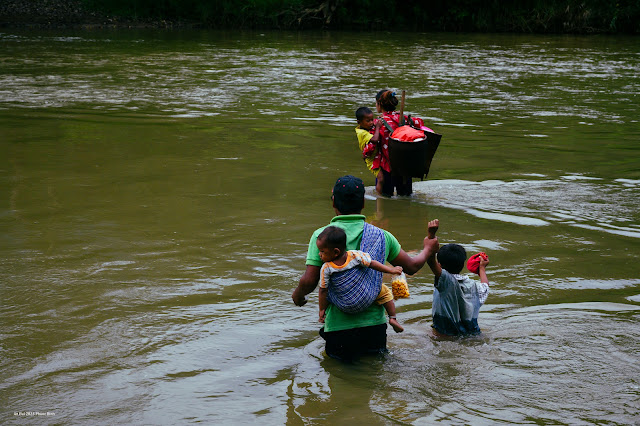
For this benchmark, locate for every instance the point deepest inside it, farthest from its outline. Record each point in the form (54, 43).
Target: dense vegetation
(543, 16)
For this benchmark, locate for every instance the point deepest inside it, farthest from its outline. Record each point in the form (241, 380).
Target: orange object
(399, 286)
(407, 134)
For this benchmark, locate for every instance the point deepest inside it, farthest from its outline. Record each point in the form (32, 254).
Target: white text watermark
(33, 413)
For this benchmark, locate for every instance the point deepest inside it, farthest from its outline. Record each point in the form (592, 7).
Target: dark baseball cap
(348, 194)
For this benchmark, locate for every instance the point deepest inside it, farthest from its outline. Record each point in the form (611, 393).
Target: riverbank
(484, 16)
(60, 14)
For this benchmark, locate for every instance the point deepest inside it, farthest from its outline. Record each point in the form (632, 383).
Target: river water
(158, 191)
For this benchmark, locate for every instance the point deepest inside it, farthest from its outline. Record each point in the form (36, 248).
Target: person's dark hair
(348, 195)
(387, 100)
(362, 112)
(452, 258)
(333, 237)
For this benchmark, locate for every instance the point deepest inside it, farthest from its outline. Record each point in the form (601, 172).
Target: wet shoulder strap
(387, 125)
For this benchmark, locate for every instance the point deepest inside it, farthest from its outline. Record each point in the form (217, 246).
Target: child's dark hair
(452, 257)
(362, 112)
(387, 100)
(334, 237)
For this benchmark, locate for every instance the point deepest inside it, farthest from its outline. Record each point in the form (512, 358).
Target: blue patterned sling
(355, 289)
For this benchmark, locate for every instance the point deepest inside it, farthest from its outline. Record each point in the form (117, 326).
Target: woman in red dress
(386, 103)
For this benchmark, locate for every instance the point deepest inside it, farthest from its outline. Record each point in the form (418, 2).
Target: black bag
(412, 159)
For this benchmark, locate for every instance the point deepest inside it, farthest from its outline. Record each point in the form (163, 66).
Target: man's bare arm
(412, 264)
(307, 284)
(323, 303)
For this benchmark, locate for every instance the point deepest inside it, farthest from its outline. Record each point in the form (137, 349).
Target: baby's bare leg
(390, 307)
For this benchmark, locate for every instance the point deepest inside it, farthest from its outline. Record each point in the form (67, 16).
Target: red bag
(473, 264)
(407, 134)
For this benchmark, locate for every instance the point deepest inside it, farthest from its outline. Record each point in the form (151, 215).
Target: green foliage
(543, 16)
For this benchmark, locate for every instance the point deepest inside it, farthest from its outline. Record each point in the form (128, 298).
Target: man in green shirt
(349, 335)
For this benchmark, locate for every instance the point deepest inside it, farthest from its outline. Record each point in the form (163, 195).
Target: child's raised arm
(434, 246)
(396, 270)
(481, 270)
(483, 288)
(432, 228)
(371, 146)
(376, 132)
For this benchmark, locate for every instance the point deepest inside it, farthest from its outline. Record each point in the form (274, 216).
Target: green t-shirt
(335, 319)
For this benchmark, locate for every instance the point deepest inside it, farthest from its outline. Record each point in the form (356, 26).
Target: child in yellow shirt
(368, 133)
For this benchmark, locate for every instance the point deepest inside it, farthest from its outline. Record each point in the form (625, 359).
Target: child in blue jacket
(456, 298)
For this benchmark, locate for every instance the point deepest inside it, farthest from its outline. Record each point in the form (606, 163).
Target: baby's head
(452, 258)
(332, 243)
(365, 118)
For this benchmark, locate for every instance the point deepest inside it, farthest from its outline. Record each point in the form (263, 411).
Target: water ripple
(574, 200)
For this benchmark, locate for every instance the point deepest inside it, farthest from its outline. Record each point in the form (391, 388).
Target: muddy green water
(158, 191)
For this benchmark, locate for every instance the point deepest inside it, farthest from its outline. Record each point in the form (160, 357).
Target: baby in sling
(352, 279)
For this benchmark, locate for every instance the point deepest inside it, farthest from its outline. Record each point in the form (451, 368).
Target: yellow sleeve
(363, 138)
